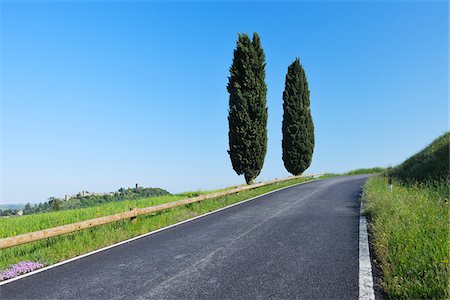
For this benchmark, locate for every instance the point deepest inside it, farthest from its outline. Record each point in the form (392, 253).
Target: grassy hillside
(409, 224)
(429, 165)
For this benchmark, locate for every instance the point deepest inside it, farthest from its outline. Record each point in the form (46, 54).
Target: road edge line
(366, 291)
(147, 234)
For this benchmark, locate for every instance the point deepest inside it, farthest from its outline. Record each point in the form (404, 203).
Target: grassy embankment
(410, 224)
(365, 171)
(53, 250)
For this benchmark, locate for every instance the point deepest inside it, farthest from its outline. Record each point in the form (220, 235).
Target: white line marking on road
(366, 291)
(147, 234)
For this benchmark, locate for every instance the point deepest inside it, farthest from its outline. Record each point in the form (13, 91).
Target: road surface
(300, 242)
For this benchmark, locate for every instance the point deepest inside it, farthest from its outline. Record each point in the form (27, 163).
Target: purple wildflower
(19, 268)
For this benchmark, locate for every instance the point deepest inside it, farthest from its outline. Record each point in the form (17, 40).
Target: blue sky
(101, 95)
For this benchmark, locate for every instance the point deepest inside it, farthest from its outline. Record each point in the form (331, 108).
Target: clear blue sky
(101, 95)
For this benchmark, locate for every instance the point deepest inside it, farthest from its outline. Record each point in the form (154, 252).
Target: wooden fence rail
(133, 213)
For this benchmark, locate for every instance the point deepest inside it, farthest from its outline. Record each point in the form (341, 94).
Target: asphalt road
(300, 242)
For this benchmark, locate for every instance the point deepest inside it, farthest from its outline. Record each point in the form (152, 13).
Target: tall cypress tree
(298, 127)
(247, 115)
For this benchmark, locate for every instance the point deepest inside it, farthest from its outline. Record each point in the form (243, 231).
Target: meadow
(56, 249)
(409, 224)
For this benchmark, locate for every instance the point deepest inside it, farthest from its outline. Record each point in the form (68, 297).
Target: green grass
(10, 226)
(411, 238)
(409, 224)
(430, 164)
(365, 171)
(53, 250)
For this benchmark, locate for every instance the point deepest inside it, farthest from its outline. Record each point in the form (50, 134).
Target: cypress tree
(247, 115)
(298, 127)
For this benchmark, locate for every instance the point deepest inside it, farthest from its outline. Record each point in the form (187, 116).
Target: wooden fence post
(133, 219)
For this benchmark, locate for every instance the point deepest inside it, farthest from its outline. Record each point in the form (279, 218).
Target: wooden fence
(132, 214)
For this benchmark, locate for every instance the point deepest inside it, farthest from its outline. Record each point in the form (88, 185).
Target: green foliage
(410, 232)
(55, 204)
(366, 171)
(430, 164)
(247, 116)
(55, 249)
(298, 127)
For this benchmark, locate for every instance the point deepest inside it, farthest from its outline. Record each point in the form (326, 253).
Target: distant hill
(429, 165)
(80, 201)
(12, 206)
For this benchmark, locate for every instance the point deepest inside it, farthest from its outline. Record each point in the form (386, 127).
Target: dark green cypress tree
(247, 115)
(298, 127)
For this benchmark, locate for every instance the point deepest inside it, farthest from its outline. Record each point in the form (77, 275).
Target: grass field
(365, 171)
(409, 225)
(56, 249)
(410, 230)
(11, 226)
